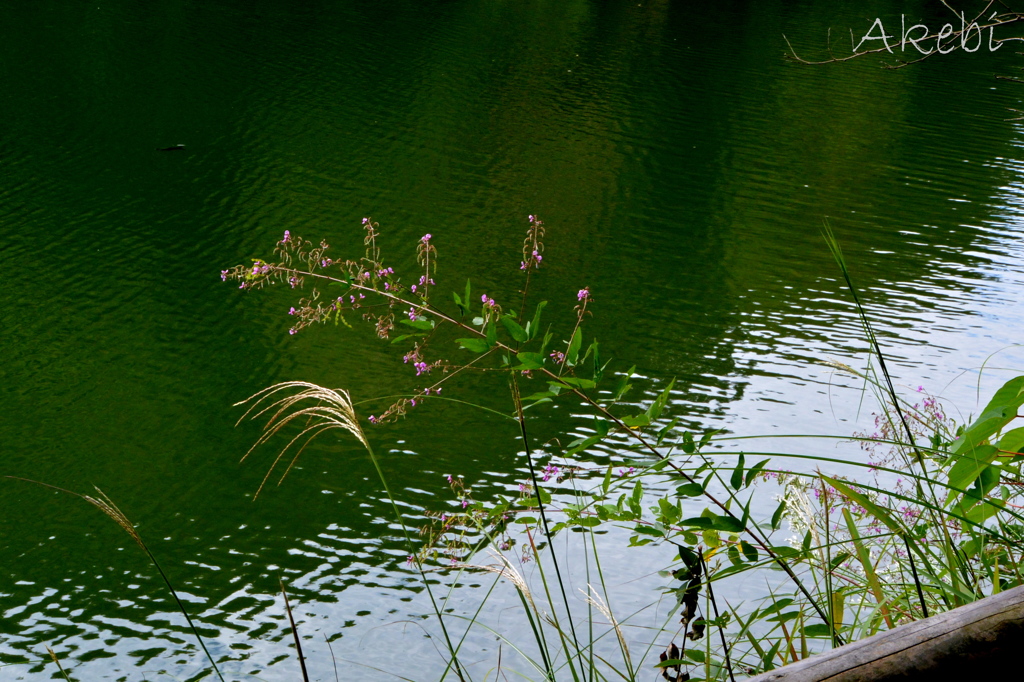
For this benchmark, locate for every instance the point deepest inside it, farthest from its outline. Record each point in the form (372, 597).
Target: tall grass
(870, 553)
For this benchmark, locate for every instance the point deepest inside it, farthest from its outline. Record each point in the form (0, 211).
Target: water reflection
(683, 169)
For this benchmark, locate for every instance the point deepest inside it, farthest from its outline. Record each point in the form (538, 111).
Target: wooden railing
(982, 639)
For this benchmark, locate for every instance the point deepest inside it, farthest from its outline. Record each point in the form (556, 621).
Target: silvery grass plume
(107, 506)
(506, 570)
(321, 408)
(594, 599)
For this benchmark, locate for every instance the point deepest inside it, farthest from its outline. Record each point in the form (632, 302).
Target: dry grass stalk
(594, 599)
(330, 409)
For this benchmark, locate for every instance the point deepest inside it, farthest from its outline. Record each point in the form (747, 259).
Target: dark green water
(683, 168)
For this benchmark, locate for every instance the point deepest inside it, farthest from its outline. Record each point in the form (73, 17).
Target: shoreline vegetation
(935, 521)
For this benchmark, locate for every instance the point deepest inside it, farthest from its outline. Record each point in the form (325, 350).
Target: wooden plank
(980, 638)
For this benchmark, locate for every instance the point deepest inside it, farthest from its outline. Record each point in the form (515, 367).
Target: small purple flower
(450, 479)
(223, 275)
(530, 217)
(372, 419)
(421, 368)
(287, 237)
(292, 331)
(410, 561)
(549, 471)
(365, 220)
(557, 356)
(411, 313)
(465, 503)
(583, 294)
(292, 311)
(626, 472)
(426, 238)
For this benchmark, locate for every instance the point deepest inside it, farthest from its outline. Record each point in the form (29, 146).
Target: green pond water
(683, 168)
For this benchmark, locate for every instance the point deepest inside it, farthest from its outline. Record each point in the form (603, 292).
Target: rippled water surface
(683, 167)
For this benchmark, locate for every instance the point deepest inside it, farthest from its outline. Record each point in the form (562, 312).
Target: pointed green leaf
(573, 351)
(514, 330)
(864, 501)
(654, 411)
(997, 414)
(419, 324)
(535, 324)
(736, 481)
(530, 360)
(968, 467)
(473, 345)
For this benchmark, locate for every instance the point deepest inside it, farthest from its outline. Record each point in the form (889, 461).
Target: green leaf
(968, 467)
(581, 384)
(777, 606)
(466, 299)
(749, 551)
(1012, 441)
(696, 522)
(664, 431)
(403, 337)
(997, 414)
(514, 330)
(530, 360)
(588, 521)
(690, 558)
(636, 421)
(727, 524)
(492, 335)
(694, 489)
(573, 351)
(419, 324)
(736, 481)
(535, 324)
(580, 445)
(602, 426)
(777, 516)
(544, 344)
(598, 368)
(670, 663)
(654, 411)
(688, 445)
(473, 345)
(864, 501)
(623, 386)
(463, 306)
(817, 630)
(755, 470)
